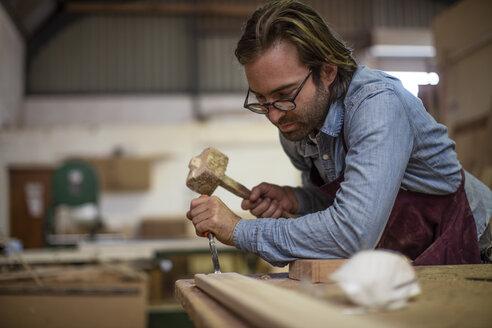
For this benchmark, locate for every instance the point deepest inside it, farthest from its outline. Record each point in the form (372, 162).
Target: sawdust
(451, 296)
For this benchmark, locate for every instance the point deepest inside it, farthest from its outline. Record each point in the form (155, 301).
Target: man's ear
(328, 74)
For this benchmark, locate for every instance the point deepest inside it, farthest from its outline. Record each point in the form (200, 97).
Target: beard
(309, 118)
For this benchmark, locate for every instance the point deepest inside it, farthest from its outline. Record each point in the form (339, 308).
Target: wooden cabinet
(30, 196)
(123, 173)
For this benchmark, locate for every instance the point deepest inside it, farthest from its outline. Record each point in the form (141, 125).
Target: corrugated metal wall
(114, 54)
(405, 13)
(219, 69)
(158, 53)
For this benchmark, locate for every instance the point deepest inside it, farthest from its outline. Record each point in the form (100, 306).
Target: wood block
(314, 270)
(265, 305)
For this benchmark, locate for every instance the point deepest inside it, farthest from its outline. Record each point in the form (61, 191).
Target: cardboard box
(463, 50)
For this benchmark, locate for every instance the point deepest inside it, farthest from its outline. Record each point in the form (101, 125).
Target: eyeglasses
(282, 104)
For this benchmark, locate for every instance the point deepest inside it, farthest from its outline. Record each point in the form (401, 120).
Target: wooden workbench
(452, 296)
(116, 250)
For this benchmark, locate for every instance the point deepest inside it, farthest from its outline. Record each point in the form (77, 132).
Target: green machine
(75, 185)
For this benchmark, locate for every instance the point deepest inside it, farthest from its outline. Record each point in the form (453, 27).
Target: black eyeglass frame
(275, 103)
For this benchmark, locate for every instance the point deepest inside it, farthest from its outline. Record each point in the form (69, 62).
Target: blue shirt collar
(332, 126)
(334, 119)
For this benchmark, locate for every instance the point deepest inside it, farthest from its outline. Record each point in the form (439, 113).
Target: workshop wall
(252, 147)
(52, 110)
(11, 71)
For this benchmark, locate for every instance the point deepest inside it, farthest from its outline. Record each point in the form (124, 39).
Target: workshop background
(137, 88)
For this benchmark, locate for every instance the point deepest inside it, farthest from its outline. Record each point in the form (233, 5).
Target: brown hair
(301, 25)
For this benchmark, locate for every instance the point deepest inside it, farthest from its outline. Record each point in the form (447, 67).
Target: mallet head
(206, 171)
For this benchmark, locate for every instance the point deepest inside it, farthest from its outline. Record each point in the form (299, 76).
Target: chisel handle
(208, 234)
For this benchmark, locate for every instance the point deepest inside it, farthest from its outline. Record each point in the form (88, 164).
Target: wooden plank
(265, 305)
(204, 311)
(314, 270)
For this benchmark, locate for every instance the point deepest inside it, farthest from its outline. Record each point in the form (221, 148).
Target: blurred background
(113, 98)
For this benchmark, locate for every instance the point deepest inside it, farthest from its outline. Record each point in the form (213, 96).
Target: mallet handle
(235, 187)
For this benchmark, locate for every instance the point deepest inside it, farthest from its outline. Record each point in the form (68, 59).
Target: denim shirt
(392, 143)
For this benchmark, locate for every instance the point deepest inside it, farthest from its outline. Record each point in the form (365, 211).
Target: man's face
(277, 74)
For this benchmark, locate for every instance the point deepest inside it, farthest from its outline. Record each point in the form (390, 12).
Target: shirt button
(325, 157)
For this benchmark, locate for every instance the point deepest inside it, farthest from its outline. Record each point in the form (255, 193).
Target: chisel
(213, 249)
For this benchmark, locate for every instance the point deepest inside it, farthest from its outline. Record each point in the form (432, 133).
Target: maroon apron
(429, 229)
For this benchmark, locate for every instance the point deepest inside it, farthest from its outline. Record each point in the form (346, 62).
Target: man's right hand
(210, 214)
(269, 201)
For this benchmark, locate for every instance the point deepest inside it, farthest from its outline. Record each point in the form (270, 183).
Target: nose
(275, 114)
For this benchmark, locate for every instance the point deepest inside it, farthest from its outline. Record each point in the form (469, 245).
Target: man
(377, 170)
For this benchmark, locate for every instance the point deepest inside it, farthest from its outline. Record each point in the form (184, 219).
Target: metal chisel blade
(213, 250)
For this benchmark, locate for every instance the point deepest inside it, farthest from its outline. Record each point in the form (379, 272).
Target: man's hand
(210, 214)
(269, 201)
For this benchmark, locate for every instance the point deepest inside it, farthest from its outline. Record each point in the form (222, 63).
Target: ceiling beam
(15, 19)
(163, 9)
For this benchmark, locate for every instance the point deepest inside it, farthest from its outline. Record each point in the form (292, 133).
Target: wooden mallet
(207, 172)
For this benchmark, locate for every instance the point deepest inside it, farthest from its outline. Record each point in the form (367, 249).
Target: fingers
(210, 214)
(270, 210)
(200, 211)
(257, 198)
(278, 212)
(265, 201)
(201, 228)
(274, 211)
(267, 208)
(262, 208)
(262, 190)
(204, 213)
(256, 193)
(247, 204)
